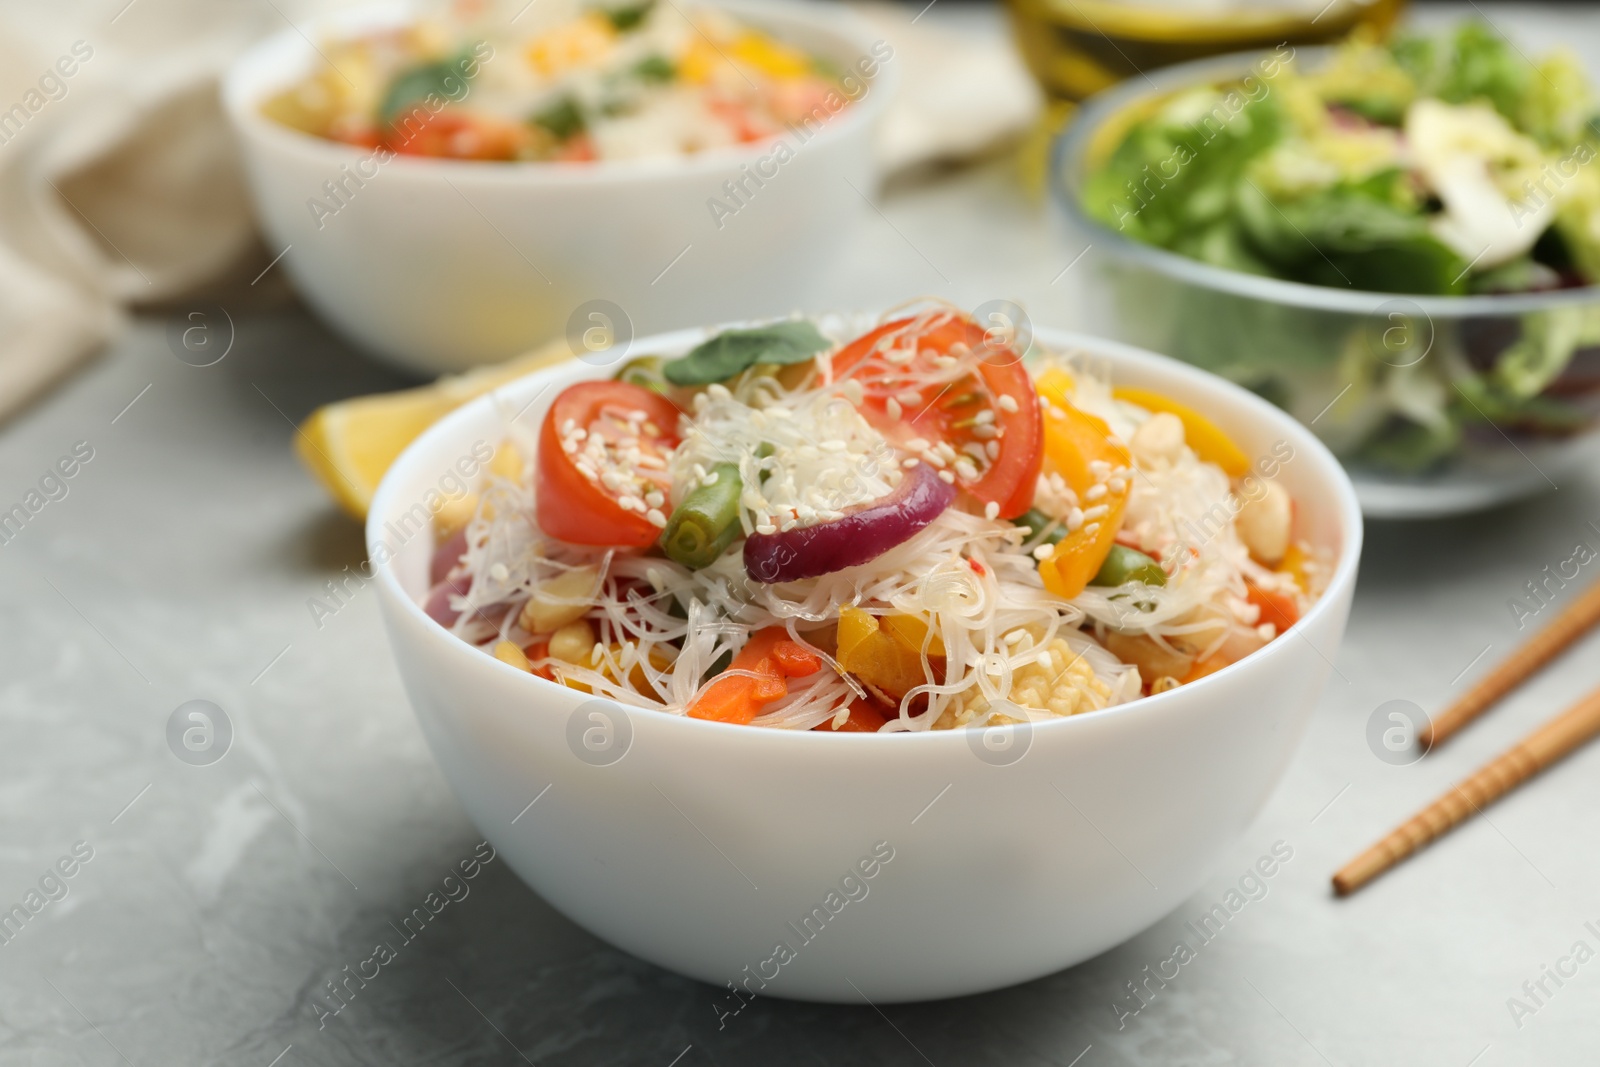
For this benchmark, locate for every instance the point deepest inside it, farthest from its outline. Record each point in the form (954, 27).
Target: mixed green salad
(1442, 166)
(1428, 165)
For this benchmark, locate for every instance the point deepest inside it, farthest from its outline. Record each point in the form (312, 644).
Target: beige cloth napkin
(120, 187)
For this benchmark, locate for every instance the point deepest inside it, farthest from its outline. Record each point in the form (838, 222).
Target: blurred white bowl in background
(439, 265)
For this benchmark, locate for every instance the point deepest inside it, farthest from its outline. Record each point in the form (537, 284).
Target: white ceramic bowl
(701, 844)
(439, 265)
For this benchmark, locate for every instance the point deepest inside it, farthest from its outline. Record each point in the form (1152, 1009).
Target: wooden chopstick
(1565, 628)
(1546, 745)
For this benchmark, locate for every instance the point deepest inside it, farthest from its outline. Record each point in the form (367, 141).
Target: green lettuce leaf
(1174, 173)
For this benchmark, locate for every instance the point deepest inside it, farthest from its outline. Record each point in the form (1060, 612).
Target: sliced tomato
(899, 400)
(602, 451)
(454, 134)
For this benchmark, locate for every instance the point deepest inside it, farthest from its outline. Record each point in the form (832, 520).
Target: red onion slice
(864, 533)
(447, 556)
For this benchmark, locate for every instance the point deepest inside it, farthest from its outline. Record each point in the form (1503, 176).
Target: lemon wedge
(349, 444)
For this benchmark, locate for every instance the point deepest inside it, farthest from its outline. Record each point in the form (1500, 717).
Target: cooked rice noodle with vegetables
(907, 529)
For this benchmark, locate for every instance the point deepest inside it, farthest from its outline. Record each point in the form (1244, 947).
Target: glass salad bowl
(1409, 391)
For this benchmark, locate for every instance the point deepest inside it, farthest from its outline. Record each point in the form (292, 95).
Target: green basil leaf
(562, 119)
(734, 351)
(628, 17)
(655, 68)
(445, 79)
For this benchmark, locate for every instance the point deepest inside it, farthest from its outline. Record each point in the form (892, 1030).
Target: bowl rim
(258, 70)
(1340, 586)
(1068, 159)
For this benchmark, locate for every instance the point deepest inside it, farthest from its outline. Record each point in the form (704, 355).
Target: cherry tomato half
(455, 134)
(902, 405)
(602, 453)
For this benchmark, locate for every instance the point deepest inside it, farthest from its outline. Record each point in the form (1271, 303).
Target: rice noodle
(660, 627)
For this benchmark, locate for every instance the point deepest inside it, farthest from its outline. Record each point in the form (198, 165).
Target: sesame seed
(948, 477)
(992, 449)
(983, 416)
(1099, 511)
(1092, 528)
(991, 511)
(499, 572)
(1042, 552)
(655, 517)
(1094, 492)
(766, 528)
(1055, 412)
(654, 498)
(1006, 402)
(909, 463)
(892, 406)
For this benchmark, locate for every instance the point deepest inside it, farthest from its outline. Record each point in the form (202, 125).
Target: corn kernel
(573, 642)
(506, 652)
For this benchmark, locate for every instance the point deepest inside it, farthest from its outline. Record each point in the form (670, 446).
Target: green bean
(1033, 520)
(707, 521)
(645, 371)
(1125, 565)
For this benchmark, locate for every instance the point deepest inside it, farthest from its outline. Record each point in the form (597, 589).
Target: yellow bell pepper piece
(1203, 435)
(1078, 557)
(580, 43)
(699, 61)
(1074, 439)
(875, 656)
(637, 680)
(911, 631)
(1296, 564)
(769, 56)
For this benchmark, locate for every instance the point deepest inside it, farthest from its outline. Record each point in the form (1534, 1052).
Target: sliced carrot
(796, 660)
(537, 651)
(774, 658)
(1209, 665)
(1280, 609)
(864, 719)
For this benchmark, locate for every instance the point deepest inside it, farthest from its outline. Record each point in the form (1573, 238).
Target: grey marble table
(216, 902)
